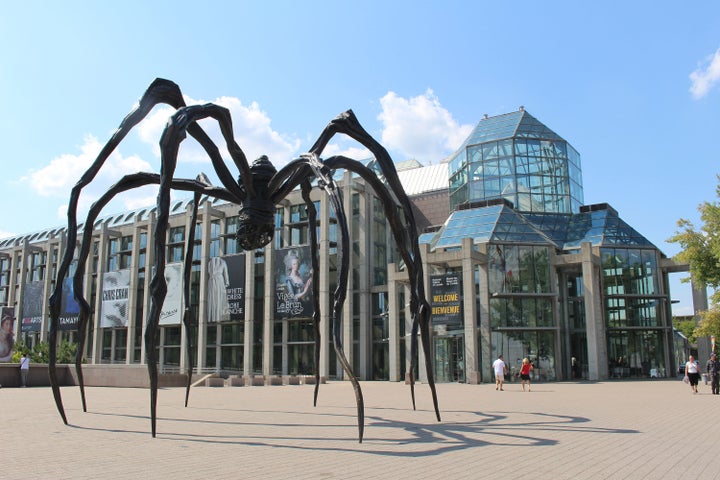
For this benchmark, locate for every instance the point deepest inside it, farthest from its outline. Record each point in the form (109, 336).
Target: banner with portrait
(7, 333)
(31, 313)
(115, 299)
(171, 313)
(293, 283)
(446, 299)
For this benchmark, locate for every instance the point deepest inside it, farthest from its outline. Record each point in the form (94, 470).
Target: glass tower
(517, 158)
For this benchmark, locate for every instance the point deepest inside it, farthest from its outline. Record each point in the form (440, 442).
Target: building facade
(514, 262)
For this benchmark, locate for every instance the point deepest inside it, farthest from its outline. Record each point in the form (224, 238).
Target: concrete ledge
(258, 381)
(290, 380)
(274, 380)
(310, 379)
(236, 381)
(215, 382)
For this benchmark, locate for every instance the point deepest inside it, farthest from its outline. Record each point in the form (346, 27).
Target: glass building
(515, 264)
(515, 157)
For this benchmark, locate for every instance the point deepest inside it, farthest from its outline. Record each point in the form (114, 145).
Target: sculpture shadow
(385, 436)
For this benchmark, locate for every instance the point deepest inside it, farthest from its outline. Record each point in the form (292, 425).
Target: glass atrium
(515, 157)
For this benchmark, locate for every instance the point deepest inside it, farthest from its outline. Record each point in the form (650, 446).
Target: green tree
(709, 323)
(701, 247)
(41, 352)
(701, 251)
(687, 328)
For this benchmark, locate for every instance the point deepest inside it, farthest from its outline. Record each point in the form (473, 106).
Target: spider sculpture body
(258, 189)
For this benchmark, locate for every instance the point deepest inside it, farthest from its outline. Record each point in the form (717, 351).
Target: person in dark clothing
(712, 368)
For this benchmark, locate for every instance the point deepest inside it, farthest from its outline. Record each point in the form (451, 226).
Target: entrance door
(449, 359)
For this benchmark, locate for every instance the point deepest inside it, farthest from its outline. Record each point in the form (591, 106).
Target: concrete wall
(94, 376)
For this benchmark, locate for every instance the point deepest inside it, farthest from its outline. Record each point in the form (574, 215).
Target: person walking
(24, 369)
(712, 368)
(500, 370)
(692, 372)
(525, 369)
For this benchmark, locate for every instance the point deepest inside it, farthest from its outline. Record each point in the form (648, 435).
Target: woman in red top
(525, 373)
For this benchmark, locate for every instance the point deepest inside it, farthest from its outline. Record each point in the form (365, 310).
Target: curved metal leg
(188, 317)
(312, 224)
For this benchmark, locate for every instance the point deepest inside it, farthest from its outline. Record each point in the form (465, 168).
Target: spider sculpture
(258, 189)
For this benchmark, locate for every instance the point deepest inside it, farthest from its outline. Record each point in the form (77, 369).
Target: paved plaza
(616, 430)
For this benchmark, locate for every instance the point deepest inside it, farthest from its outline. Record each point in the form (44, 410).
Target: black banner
(446, 299)
(226, 288)
(31, 314)
(69, 307)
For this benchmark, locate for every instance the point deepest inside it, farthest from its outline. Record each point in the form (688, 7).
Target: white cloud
(337, 147)
(4, 234)
(706, 76)
(419, 127)
(251, 128)
(57, 179)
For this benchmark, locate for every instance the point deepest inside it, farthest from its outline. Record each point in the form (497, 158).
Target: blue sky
(633, 86)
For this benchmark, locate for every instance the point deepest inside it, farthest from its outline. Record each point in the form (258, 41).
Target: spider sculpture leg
(126, 183)
(188, 318)
(404, 230)
(418, 305)
(159, 92)
(406, 236)
(170, 140)
(312, 222)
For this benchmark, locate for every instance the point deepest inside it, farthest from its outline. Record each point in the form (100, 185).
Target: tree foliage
(701, 246)
(687, 328)
(709, 323)
(701, 251)
(41, 352)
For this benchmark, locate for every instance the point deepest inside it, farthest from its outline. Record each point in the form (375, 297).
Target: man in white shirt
(500, 370)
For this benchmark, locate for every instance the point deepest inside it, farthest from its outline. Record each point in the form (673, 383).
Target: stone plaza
(653, 429)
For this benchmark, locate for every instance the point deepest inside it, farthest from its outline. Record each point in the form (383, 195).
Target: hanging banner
(171, 313)
(235, 291)
(293, 283)
(69, 307)
(7, 333)
(31, 313)
(115, 299)
(226, 288)
(446, 296)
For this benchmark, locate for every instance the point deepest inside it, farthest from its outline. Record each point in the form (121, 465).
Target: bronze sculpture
(259, 188)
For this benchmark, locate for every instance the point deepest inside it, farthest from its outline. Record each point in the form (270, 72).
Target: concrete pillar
(132, 298)
(202, 320)
(47, 286)
(470, 312)
(365, 234)
(321, 280)
(149, 262)
(20, 269)
(395, 368)
(699, 298)
(269, 309)
(406, 316)
(597, 358)
(248, 345)
(485, 338)
(422, 369)
(101, 269)
(13, 298)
